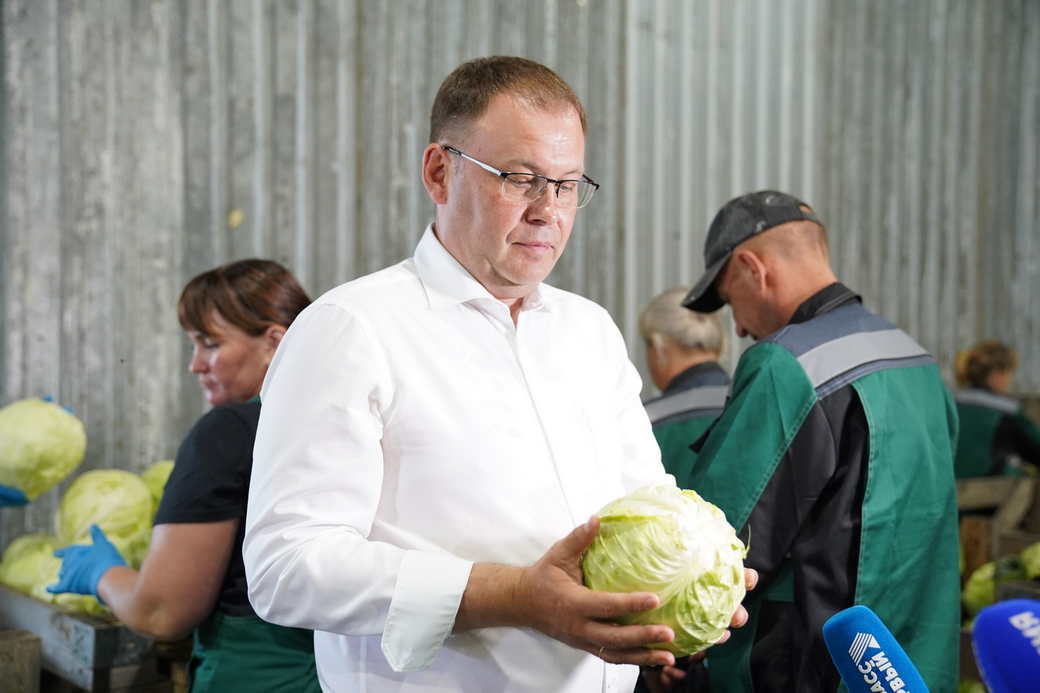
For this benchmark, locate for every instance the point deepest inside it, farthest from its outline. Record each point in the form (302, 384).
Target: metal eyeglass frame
(504, 175)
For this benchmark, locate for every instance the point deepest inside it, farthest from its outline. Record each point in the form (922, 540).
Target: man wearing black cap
(834, 453)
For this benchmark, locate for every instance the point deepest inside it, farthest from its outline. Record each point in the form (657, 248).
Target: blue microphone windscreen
(1006, 638)
(867, 655)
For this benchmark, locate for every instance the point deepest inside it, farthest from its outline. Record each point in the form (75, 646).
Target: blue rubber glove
(9, 495)
(50, 398)
(83, 566)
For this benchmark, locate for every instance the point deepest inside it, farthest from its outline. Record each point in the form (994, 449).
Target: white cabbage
(40, 445)
(29, 565)
(675, 544)
(118, 501)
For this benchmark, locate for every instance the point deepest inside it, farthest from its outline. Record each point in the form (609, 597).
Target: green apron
(906, 492)
(244, 653)
(674, 440)
(679, 419)
(981, 413)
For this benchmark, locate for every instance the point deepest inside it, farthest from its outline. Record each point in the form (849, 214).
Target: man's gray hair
(664, 316)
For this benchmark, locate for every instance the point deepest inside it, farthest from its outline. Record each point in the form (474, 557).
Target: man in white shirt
(430, 431)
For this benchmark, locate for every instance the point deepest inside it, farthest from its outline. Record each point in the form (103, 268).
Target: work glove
(9, 495)
(83, 566)
(50, 398)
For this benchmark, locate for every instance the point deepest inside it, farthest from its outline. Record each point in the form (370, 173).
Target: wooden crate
(20, 661)
(91, 653)
(969, 669)
(995, 509)
(1018, 589)
(1014, 540)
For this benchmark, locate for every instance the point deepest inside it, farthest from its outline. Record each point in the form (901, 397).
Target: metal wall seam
(218, 135)
(1026, 220)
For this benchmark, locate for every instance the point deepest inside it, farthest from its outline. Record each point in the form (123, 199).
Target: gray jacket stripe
(990, 400)
(687, 400)
(837, 362)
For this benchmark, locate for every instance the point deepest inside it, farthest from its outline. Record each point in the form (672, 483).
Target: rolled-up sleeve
(316, 482)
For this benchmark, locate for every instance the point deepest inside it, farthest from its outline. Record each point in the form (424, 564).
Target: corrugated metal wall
(146, 141)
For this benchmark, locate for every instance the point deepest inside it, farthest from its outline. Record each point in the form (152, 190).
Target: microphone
(867, 655)
(1006, 640)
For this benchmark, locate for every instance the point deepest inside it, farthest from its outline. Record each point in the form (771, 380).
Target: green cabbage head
(675, 544)
(40, 445)
(22, 562)
(980, 591)
(1031, 560)
(118, 502)
(155, 478)
(29, 565)
(981, 588)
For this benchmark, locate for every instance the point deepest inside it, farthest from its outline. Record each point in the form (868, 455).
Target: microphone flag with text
(867, 655)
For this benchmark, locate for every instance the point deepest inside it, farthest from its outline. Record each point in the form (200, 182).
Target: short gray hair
(664, 316)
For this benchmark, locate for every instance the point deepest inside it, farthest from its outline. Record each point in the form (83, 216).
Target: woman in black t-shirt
(193, 578)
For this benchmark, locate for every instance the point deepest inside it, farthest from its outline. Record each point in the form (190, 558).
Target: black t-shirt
(210, 483)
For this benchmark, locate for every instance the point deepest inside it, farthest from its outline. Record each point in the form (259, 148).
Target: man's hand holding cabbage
(623, 625)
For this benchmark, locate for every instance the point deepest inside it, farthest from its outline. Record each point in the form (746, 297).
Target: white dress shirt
(408, 430)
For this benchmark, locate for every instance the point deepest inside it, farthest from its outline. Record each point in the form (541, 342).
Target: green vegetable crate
(1019, 589)
(89, 652)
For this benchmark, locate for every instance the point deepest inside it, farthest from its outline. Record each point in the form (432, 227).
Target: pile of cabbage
(675, 544)
(40, 445)
(123, 504)
(980, 590)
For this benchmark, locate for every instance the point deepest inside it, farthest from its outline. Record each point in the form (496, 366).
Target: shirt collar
(706, 374)
(448, 283)
(823, 301)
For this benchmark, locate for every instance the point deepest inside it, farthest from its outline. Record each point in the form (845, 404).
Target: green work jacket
(903, 554)
(995, 436)
(684, 411)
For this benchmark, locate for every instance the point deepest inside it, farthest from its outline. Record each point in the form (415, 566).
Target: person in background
(995, 436)
(682, 354)
(834, 453)
(193, 577)
(432, 430)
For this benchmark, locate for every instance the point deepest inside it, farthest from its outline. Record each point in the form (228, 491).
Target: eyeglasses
(527, 187)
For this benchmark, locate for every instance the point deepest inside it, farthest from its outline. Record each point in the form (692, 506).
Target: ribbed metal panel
(148, 141)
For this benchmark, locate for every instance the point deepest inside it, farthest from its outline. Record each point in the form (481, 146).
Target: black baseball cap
(738, 220)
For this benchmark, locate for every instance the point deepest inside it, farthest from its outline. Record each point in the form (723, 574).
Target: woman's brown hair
(973, 366)
(252, 295)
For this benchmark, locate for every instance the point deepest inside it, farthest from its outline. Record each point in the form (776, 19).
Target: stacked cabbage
(40, 444)
(675, 544)
(117, 501)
